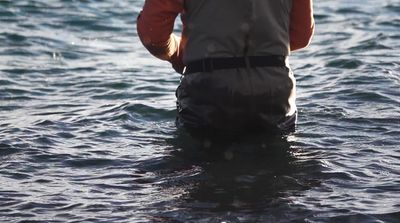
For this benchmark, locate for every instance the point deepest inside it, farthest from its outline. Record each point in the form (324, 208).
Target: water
(87, 128)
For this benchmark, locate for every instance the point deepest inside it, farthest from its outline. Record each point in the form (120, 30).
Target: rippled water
(87, 128)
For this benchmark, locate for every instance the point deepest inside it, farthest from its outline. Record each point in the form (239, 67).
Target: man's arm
(155, 25)
(301, 24)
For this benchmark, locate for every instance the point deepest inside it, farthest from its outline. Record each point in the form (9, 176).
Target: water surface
(87, 128)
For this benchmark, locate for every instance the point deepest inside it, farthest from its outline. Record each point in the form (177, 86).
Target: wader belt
(210, 64)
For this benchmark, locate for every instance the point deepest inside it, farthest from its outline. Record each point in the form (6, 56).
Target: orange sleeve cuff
(301, 24)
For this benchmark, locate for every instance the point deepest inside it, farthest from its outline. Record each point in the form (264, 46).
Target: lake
(87, 130)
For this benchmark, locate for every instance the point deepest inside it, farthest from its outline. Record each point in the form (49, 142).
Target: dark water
(87, 128)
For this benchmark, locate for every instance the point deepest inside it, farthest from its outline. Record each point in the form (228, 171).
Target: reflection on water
(253, 178)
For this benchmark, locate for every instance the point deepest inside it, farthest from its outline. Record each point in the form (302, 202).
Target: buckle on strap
(207, 64)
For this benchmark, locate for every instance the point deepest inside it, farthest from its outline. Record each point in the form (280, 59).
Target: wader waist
(210, 64)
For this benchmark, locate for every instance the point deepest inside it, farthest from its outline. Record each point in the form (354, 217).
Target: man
(233, 57)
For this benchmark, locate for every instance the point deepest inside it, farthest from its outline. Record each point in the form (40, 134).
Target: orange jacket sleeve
(155, 25)
(301, 24)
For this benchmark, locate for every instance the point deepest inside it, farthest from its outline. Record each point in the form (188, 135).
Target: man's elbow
(301, 39)
(153, 41)
(300, 43)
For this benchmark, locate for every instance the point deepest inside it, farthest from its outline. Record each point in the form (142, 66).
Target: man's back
(236, 28)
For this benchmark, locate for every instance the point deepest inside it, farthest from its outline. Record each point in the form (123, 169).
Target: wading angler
(233, 55)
